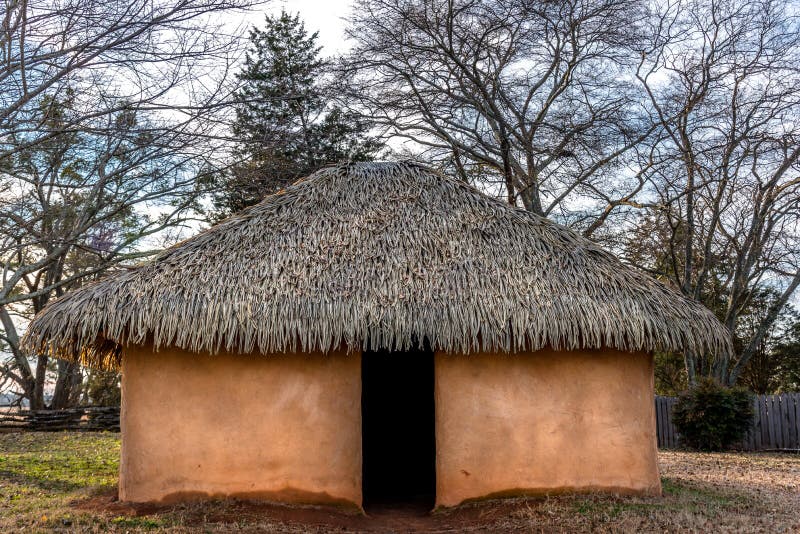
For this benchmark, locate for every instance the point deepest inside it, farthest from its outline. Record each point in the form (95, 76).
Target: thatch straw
(376, 255)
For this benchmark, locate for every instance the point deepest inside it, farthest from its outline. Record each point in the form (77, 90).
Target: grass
(41, 473)
(54, 482)
(703, 492)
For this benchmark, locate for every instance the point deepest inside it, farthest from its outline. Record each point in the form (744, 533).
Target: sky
(324, 16)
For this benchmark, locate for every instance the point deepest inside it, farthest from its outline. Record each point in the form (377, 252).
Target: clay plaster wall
(544, 422)
(277, 427)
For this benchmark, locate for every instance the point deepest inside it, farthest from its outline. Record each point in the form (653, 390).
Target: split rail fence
(776, 424)
(90, 418)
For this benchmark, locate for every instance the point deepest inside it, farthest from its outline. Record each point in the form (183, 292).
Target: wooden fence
(90, 418)
(665, 429)
(776, 424)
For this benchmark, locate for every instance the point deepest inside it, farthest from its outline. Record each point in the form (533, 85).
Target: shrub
(711, 417)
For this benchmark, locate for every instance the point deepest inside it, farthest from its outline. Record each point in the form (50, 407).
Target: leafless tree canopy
(539, 96)
(107, 112)
(724, 175)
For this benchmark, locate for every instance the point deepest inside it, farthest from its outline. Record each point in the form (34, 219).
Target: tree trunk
(37, 400)
(69, 380)
(689, 362)
(508, 175)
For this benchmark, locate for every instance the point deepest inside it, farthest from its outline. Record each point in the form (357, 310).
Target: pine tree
(286, 123)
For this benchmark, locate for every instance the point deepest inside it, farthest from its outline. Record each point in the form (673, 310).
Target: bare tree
(537, 97)
(724, 176)
(112, 55)
(107, 114)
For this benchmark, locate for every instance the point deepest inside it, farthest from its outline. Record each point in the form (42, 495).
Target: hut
(379, 331)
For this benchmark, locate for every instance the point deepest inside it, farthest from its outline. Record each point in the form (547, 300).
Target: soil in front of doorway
(251, 516)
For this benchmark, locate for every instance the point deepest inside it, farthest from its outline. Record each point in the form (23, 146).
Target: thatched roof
(376, 255)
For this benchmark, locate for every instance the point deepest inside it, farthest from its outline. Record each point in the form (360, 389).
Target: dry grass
(703, 492)
(375, 255)
(64, 482)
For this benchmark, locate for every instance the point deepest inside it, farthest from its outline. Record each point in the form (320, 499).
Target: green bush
(711, 417)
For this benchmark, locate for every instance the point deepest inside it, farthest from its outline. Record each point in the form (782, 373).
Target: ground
(66, 482)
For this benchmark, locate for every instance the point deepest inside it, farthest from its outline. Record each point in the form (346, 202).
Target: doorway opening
(398, 428)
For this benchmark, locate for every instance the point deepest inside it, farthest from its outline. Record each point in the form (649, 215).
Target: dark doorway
(398, 428)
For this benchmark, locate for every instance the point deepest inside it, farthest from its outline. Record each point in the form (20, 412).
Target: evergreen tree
(286, 123)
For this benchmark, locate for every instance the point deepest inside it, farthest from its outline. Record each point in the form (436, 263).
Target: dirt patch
(728, 492)
(107, 502)
(247, 515)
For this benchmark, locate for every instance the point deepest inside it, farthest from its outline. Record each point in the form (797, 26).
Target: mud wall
(277, 427)
(544, 422)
